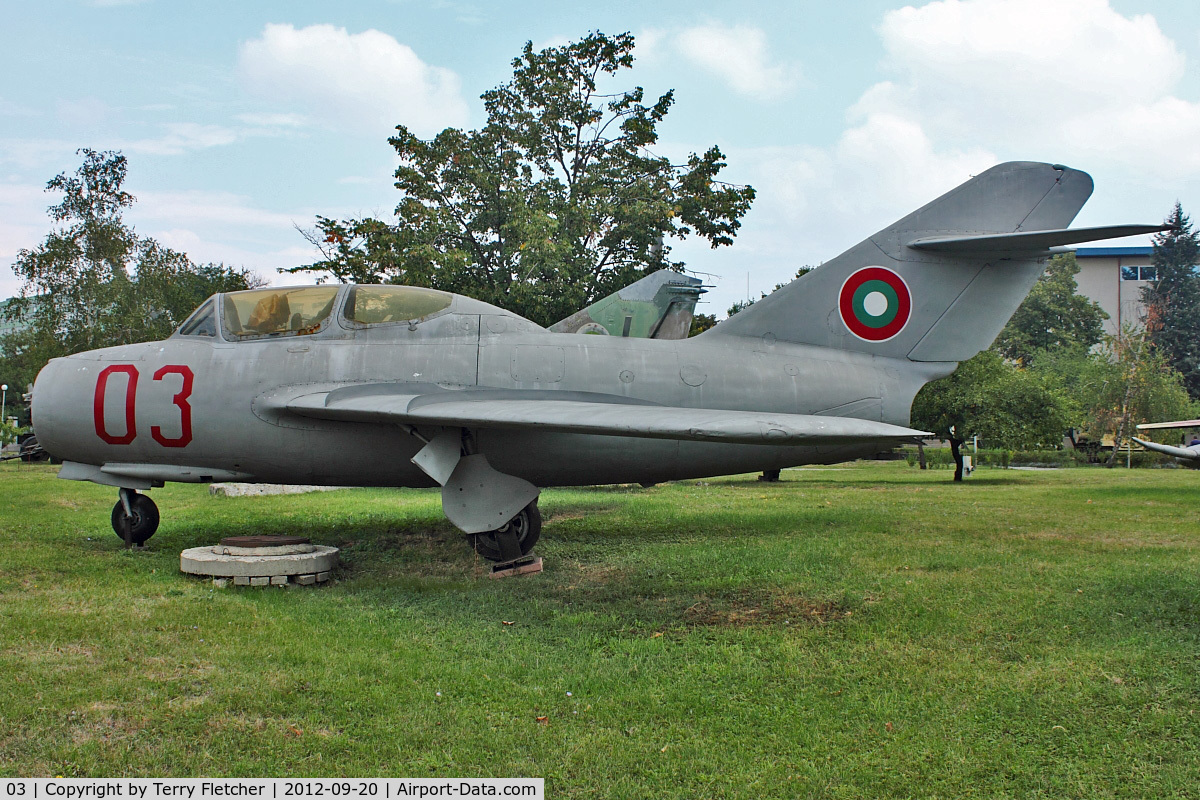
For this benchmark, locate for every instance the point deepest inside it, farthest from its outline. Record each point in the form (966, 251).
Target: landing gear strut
(134, 518)
(515, 539)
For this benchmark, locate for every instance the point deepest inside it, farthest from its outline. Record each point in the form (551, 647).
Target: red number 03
(131, 381)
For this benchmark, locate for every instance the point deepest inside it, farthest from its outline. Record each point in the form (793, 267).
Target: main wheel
(142, 524)
(527, 525)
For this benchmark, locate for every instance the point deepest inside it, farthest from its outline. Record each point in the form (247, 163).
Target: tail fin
(659, 306)
(941, 283)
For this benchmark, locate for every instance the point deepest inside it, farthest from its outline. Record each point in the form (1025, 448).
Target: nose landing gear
(134, 518)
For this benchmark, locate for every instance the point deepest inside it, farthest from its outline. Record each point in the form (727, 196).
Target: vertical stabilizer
(659, 306)
(886, 297)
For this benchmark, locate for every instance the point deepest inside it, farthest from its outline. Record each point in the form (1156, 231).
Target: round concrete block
(279, 550)
(207, 561)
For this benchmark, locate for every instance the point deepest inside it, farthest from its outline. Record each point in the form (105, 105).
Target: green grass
(861, 632)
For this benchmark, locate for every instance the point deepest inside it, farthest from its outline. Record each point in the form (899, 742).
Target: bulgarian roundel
(875, 304)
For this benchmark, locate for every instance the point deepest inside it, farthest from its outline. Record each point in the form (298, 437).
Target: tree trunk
(1112, 458)
(921, 454)
(955, 444)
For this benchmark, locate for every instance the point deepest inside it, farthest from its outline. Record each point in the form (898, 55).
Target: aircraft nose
(49, 407)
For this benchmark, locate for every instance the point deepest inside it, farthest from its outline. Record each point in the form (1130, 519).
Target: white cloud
(88, 111)
(1164, 133)
(1033, 51)
(738, 56)
(973, 83)
(27, 154)
(23, 224)
(274, 120)
(366, 80)
(812, 203)
(263, 261)
(11, 109)
(208, 226)
(182, 137)
(1058, 78)
(224, 208)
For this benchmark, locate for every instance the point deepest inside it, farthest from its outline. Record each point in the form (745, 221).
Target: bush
(940, 458)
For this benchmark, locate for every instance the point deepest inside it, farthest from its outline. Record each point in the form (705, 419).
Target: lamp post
(3, 402)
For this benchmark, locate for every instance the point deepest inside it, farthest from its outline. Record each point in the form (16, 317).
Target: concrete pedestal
(265, 565)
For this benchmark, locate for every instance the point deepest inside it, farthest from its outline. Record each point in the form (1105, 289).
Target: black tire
(529, 528)
(144, 522)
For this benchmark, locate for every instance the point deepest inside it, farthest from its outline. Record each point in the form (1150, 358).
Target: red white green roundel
(875, 304)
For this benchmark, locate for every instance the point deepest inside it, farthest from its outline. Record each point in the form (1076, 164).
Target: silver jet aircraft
(404, 386)
(1188, 456)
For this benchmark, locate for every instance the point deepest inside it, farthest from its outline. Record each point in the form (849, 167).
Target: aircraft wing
(1178, 452)
(592, 414)
(1030, 240)
(1183, 423)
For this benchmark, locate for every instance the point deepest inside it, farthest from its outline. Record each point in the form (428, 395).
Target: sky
(243, 121)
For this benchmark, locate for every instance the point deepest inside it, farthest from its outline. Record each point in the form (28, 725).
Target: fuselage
(195, 407)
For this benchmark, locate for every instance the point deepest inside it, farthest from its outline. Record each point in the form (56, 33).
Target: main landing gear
(515, 539)
(476, 498)
(134, 518)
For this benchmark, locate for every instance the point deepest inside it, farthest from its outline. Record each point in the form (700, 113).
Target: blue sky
(242, 120)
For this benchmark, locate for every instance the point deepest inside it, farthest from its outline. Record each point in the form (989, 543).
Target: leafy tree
(1052, 316)
(93, 282)
(1112, 389)
(1172, 301)
(1069, 371)
(556, 202)
(701, 323)
(1002, 404)
(1129, 382)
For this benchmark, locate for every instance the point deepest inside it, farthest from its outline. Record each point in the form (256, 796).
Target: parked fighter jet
(1189, 456)
(659, 306)
(403, 386)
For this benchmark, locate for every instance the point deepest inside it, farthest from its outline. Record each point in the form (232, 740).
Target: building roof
(1100, 252)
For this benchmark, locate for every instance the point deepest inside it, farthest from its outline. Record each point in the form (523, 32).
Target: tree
(1052, 316)
(556, 202)
(1004, 405)
(93, 282)
(1172, 300)
(701, 323)
(1129, 382)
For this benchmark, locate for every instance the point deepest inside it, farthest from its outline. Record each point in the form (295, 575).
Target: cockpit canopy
(263, 312)
(375, 305)
(305, 310)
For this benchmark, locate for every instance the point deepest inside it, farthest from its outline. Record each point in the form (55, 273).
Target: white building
(1114, 277)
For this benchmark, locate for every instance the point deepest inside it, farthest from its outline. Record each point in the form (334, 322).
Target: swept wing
(1183, 423)
(585, 413)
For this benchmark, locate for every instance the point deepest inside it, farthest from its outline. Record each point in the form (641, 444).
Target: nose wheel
(512, 541)
(134, 518)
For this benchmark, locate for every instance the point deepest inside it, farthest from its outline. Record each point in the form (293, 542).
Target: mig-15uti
(402, 386)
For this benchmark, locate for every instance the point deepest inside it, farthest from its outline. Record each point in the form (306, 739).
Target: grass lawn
(867, 631)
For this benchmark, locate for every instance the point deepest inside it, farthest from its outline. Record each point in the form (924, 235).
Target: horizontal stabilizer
(1029, 240)
(1178, 452)
(542, 412)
